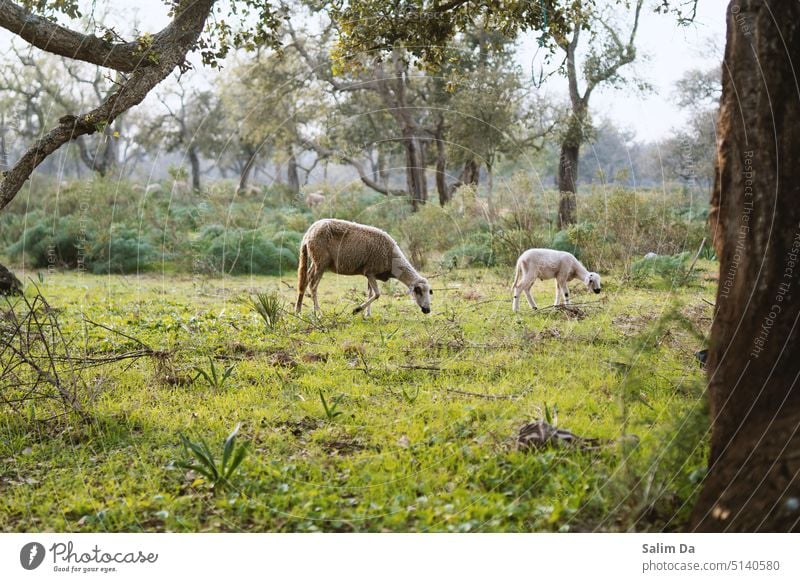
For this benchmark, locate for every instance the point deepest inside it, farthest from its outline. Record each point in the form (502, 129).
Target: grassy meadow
(398, 422)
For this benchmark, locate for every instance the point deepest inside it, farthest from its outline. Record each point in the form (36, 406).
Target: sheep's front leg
(565, 292)
(373, 292)
(368, 308)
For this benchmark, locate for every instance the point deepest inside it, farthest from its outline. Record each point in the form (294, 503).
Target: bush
(429, 229)
(476, 251)
(63, 243)
(122, 250)
(670, 270)
(244, 252)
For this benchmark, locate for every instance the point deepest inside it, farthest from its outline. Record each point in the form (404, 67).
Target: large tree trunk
(291, 172)
(753, 484)
(244, 176)
(194, 161)
(415, 171)
(383, 172)
(441, 166)
(567, 177)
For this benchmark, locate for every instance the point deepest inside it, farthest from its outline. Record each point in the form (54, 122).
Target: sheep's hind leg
(526, 286)
(515, 302)
(314, 278)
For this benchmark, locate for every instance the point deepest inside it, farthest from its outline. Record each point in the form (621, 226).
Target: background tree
(187, 126)
(276, 101)
(690, 153)
(609, 50)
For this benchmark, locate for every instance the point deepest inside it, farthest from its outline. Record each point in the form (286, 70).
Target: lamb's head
(421, 292)
(593, 282)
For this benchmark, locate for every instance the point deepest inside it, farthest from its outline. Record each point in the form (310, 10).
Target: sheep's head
(593, 282)
(421, 292)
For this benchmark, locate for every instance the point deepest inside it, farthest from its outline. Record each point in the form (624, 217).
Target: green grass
(414, 448)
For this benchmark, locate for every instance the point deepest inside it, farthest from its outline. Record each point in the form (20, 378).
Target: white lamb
(349, 248)
(550, 264)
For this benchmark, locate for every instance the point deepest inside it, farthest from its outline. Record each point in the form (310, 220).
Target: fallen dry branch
(481, 395)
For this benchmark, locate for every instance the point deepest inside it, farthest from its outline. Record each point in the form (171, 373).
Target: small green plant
(330, 409)
(217, 472)
(551, 414)
(212, 376)
(269, 306)
(410, 395)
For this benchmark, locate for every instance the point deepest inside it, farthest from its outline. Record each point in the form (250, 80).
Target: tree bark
(752, 483)
(567, 176)
(291, 170)
(3, 150)
(244, 176)
(194, 162)
(415, 170)
(441, 167)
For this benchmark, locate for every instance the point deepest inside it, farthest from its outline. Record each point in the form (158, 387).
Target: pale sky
(665, 52)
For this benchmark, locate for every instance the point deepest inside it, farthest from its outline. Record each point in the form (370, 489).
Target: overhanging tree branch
(169, 48)
(54, 38)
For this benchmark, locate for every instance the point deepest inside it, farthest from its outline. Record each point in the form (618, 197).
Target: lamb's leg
(515, 287)
(565, 292)
(558, 292)
(373, 292)
(525, 284)
(530, 298)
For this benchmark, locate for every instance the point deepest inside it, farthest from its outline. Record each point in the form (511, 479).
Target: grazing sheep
(152, 188)
(550, 264)
(314, 199)
(649, 256)
(349, 248)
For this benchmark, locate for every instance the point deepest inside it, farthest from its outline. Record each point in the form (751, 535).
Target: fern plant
(217, 472)
(269, 306)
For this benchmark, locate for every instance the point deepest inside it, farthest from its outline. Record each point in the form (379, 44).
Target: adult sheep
(550, 264)
(349, 248)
